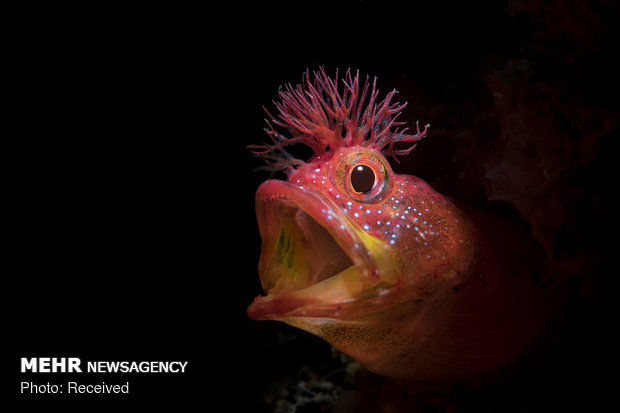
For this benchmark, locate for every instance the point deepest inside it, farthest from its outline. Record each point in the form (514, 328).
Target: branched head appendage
(318, 115)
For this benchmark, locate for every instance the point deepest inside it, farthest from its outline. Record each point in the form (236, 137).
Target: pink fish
(379, 264)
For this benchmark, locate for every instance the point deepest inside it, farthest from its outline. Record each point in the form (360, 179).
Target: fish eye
(362, 178)
(363, 174)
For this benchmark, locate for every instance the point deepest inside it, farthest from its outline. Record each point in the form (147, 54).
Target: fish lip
(331, 217)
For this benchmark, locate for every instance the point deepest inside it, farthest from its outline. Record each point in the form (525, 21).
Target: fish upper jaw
(315, 262)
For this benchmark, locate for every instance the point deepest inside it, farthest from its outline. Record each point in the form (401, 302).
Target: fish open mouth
(314, 260)
(303, 252)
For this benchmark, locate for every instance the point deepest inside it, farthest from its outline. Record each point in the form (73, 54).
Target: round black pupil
(362, 178)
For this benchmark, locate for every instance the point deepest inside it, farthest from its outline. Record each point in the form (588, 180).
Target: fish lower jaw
(332, 292)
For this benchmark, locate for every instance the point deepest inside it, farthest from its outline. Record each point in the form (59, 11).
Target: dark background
(134, 191)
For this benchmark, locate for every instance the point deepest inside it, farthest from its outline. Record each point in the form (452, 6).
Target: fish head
(350, 248)
(346, 237)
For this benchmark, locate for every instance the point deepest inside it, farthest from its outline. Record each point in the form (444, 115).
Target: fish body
(379, 264)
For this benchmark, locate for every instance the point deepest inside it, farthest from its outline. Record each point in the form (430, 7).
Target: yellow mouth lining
(302, 260)
(298, 252)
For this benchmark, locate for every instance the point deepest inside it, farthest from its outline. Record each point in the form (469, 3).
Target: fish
(411, 283)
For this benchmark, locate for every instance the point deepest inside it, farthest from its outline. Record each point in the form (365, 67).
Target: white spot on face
(317, 170)
(356, 215)
(366, 227)
(392, 242)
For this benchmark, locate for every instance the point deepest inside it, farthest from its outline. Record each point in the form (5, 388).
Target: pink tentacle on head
(319, 115)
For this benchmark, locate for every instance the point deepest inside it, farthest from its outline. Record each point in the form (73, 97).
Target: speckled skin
(421, 227)
(437, 300)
